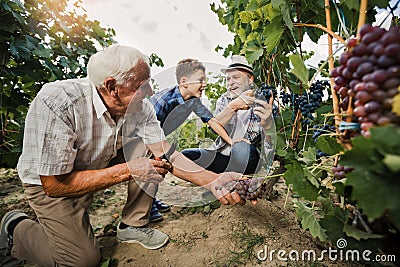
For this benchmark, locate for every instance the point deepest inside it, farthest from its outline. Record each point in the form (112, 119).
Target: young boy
(174, 105)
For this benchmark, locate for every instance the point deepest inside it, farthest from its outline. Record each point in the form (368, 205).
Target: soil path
(202, 236)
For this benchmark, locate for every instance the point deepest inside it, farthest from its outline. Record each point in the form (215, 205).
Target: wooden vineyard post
(335, 99)
(362, 15)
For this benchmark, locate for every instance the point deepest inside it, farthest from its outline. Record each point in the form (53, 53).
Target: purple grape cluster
(340, 171)
(369, 73)
(250, 189)
(265, 92)
(318, 131)
(308, 102)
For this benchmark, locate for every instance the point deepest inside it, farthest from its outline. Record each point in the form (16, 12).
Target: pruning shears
(168, 154)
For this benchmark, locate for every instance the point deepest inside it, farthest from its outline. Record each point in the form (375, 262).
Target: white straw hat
(240, 63)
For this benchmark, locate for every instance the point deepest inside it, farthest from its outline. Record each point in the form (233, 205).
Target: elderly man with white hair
(74, 132)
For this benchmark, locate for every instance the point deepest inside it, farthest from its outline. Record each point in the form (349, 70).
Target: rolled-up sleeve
(52, 150)
(202, 111)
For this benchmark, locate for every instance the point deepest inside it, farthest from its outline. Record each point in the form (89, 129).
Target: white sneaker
(147, 237)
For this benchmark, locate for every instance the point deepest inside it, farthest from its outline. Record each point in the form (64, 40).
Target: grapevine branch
(335, 99)
(325, 29)
(362, 15)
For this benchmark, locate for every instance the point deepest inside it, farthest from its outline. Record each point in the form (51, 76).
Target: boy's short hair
(186, 67)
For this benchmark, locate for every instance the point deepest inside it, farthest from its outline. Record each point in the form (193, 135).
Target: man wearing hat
(243, 117)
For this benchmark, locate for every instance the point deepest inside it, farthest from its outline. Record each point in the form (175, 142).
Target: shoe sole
(11, 215)
(164, 210)
(156, 220)
(131, 241)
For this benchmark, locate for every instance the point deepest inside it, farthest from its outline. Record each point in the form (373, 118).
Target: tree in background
(40, 41)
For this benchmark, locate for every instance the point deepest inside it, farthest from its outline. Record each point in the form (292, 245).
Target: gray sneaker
(147, 237)
(6, 240)
(5, 237)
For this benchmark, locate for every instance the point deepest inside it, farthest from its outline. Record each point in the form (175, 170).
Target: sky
(173, 29)
(177, 29)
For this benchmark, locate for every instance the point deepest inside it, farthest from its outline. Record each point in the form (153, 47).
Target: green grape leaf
(352, 4)
(371, 192)
(309, 156)
(281, 145)
(278, 3)
(255, 24)
(378, 3)
(253, 48)
(241, 32)
(340, 185)
(358, 234)
(392, 162)
(270, 12)
(286, 17)
(310, 177)
(273, 32)
(252, 5)
(328, 145)
(334, 221)
(299, 68)
(323, 110)
(388, 139)
(375, 186)
(295, 175)
(246, 16)
(309, 221)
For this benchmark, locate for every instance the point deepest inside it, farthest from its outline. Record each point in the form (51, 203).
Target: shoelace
(146, 230)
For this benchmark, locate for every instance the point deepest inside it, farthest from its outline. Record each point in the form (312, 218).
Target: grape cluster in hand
(308, 102)
(250, 189)
(340, 171)
(265, 92)
(369, 72)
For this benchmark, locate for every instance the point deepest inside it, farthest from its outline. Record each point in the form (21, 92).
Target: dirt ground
(207, 235)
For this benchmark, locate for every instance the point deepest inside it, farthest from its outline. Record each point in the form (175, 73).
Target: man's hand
(161, 166)
(240, 140)
(217, 187)
(148, 170)
(243, 102)
(264, 111)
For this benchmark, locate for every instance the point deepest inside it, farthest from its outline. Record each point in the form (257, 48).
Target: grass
(244, 251)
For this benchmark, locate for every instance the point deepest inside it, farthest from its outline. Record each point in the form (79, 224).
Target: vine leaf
(295, 175)
(299, 68)
(310, 177)
(392, 162)
(309, 221)
(352, 4)
(253, 47)
(358, 234)
(328, 145)
(246, 16)
(273, 32)
(375, 187)
(241, 32)
(309, 156)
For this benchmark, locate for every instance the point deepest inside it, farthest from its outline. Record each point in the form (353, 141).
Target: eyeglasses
(145, 87)
(195, 81)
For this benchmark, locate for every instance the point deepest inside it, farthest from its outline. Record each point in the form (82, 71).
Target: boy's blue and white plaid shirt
(172, 110)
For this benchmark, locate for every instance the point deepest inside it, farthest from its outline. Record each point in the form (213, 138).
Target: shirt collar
(177, 94)
(98, 104)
